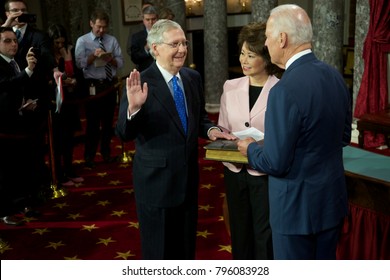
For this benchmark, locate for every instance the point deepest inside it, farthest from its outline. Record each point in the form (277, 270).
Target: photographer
(38, 85)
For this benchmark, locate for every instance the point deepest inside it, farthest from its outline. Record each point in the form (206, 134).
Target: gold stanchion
(57, 192)
(125, 157)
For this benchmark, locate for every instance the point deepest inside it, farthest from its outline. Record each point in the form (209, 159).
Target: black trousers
(168, 233)
(99, 112)
(248, 205)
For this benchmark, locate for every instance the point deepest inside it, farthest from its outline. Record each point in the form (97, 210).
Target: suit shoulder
(236, 81)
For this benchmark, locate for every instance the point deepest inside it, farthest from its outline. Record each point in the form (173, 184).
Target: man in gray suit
(307, 124)
(165, 166)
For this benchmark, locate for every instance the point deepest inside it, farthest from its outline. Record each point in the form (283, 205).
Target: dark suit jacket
(11, 95)
(38, 85)
(138, 54)
(307, 123)
(165, 166)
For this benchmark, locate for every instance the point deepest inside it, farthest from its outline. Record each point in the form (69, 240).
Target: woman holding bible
(243, 105)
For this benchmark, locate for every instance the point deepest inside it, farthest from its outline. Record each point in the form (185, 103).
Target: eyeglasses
(185, 44)
(18, 10)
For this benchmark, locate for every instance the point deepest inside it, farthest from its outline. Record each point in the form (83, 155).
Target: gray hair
(156, 33)
(294, 21)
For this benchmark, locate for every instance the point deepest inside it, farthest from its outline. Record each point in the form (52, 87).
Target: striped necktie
(18, 35)
(107, 67)
(178, 95)
(15, 66)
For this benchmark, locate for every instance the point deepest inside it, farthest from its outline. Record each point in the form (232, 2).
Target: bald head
(294, 21)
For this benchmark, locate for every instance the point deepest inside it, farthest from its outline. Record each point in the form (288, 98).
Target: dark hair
(165, 13)
(56, 31)
(5, 29)
(101, 15)
(6, 5)
(253, 34)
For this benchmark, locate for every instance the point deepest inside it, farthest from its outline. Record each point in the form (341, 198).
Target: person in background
(166, 13)
(165, 165)
(38, 85)
(243, 105)
(16, 134)
(307, 124)
(140, 54)
(136, 28)
(100, 79)
(66, 118)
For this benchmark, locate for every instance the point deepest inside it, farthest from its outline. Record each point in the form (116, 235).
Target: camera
(37, 52)
(27, 18)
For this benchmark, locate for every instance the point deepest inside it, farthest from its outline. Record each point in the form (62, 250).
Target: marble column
(328, 30)
(215, 51)
(361, 30)
(261, 9)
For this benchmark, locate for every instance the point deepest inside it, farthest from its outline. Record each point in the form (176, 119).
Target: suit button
(247, 124)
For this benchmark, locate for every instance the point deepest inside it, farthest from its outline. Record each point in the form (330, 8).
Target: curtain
(373, 96)
(365, 235)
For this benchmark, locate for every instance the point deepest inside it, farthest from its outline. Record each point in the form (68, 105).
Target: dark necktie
(15, 66)
(107, 67)
(18, 35)
(179, 101)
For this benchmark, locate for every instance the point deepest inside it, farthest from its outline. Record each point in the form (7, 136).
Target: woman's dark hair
(253, 34)
(56, 31)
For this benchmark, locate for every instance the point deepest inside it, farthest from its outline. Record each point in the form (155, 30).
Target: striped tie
(15, 66)
(107, 67)
(180, 104)
(18, 35)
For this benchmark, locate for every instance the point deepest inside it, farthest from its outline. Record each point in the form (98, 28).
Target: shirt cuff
(213, 127)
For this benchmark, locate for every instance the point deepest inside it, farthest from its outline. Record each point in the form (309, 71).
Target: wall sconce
(243, 4)
(190, 6)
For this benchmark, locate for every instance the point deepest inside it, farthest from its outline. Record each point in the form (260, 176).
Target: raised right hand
(136, 95)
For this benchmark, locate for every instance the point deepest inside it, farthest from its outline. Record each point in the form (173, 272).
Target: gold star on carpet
(105, 241)
(5, 247)
(226, 248)
(222, 195)
(209, 168)
(89, 228)
(208, 186)
(221, 218)
(203, 233)
(118, 213)
(74, 216)
(78, 161)
(77, 185)
(221, 175)
(124, 255)
(55, 245)
(115, 183)
(124, 165)
(61, 205)
(205, 207)
(134, 225)
(29, 219)
(72, 258)
(103, 202)
(40, 231)
(102, 174)
(91, 193)
(130, 191)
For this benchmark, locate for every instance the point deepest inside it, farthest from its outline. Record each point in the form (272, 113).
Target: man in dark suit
(139, 50)
(15, 147)
(165, 166)
(307, 124)
(37, 85)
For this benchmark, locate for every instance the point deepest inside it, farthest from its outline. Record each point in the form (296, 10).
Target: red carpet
(97, 219)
